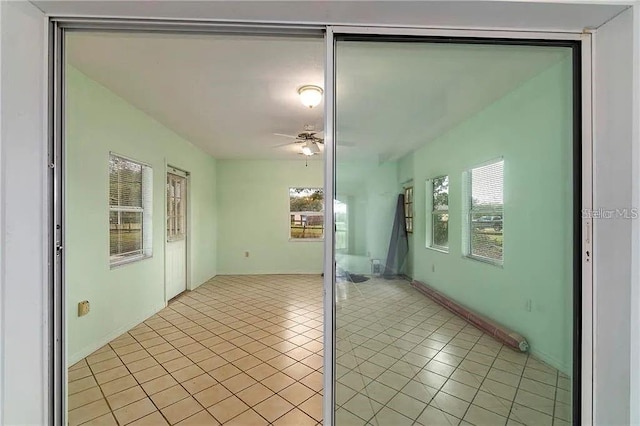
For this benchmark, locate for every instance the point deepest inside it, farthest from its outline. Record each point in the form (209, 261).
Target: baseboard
(88, 350)
(551, 361)
(268, 273)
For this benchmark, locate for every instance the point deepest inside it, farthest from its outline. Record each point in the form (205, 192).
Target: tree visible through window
(486, 211)
(440, 213)
(129, 207)
(306, 212)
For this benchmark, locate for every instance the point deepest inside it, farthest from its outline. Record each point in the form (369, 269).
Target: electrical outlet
(246, 254)
(83, 308)
(433, 268)
(528, 305)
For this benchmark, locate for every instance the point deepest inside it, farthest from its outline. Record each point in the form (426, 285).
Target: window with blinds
(129, 210)
(440, 213)
(485, 211)
(408, 209)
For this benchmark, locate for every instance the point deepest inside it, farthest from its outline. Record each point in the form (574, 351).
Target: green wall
(531, 128)
(98, 122)
(253, 210)
(370, 191)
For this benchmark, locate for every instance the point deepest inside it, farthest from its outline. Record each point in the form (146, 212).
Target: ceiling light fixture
(310, 148)
(310, 96)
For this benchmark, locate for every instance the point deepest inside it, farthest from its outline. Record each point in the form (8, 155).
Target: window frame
(176, 224)
(146, 189)
(345, 231)
(470, 211)
(409, 220)
(433, 214)
(290, 214)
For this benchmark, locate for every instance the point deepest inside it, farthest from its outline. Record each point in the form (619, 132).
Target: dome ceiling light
(310, 95)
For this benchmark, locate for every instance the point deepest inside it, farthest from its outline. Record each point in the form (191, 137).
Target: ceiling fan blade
(280, 145)
(285, 136)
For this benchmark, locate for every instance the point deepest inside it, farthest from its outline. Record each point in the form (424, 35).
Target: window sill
(497, 263)
(438, 249)
(126, 261)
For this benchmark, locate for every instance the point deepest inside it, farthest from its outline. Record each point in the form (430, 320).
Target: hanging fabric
(399, 244)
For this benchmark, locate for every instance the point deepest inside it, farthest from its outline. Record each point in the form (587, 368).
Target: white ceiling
(395, 97)
(229, 94)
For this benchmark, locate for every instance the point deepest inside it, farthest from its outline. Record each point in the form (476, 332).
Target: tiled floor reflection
(239, 350)
(404, 360)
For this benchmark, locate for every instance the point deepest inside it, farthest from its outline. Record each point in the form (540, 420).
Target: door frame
(582, 344)
(187, 217)
(55, 106)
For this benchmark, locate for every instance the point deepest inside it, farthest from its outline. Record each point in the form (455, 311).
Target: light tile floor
(239, 350)
(247, 350)
(404, 360)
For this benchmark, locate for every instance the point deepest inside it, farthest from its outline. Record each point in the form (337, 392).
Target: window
(176, 207)
(130, 186)
(485, 212)
(306, 212)
(440, 213)
(408, 209)
(340, 210)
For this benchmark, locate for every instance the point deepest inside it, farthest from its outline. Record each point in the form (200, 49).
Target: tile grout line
(495, 357)
(294, 406)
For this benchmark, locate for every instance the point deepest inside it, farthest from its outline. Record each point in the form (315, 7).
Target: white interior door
(176, 251)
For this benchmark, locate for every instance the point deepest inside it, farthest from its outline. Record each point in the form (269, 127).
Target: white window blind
(486, 235)
(440, 213)
(129, 210)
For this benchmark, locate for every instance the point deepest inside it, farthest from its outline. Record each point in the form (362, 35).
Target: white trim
(329, 185)
(133, 160)
(328, 398)
(88, 350)
(634, 415)
(177, 172)
(451, 32)
(187, 175)
(588, 301)
(587, 189)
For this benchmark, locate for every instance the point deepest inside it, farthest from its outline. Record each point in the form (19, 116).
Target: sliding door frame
(58, 26)
(582, 73)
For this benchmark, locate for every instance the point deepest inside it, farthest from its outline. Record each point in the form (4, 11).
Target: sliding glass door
(455, 254)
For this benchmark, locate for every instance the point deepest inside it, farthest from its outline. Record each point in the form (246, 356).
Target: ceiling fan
(307, 138)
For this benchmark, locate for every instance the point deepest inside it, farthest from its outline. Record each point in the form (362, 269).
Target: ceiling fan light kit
(310, 95)
(310, 148)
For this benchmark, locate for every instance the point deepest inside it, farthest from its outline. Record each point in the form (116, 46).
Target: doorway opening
(387, 367)
(176, 253)
(205, 153)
